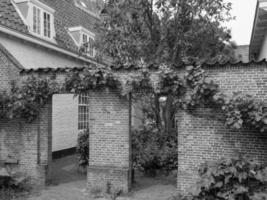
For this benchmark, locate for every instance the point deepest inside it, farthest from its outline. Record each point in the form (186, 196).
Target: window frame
(36, 17)
(90, 35)
(42, 23)
(90, 51)
(29, 19)
(47, 24)
(83, 112)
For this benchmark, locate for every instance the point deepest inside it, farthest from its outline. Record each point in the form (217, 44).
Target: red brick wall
(204, 137)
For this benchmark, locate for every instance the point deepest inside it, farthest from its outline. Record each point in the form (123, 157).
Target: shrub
(154, 150)
(232, 179)
(13, 185)
(82, 148)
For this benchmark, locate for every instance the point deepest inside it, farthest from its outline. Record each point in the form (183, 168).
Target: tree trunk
(157, 111)
(168, 115)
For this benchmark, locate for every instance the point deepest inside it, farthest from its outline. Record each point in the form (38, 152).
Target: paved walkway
(69, 184)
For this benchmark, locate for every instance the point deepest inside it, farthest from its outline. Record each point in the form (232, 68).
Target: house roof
(10, 18)
(66, 15)
(259, 29)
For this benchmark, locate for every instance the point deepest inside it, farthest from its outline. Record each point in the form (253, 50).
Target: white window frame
(29, 19)
(83, 117)
(82, 31)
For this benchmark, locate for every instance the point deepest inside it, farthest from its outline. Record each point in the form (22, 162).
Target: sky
(244, 11)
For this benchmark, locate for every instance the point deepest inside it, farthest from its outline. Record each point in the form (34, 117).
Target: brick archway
(110, 149)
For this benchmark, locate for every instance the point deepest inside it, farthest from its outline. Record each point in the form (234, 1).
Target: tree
(164, 32)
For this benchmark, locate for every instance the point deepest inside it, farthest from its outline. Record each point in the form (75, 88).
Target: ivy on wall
(25, 101)
(192, 90)
(239, 110)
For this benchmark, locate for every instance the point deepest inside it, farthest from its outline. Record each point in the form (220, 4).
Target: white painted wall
(31, 56)
(64, 121)
(263, 52)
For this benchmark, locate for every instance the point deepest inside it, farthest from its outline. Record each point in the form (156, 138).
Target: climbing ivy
(170, 83)
(192, 90)
(91, 79)
(25, 100)
(240, 111)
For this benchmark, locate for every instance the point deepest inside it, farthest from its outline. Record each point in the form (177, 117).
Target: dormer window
(84, 39)
(38, 17)
(88, 43)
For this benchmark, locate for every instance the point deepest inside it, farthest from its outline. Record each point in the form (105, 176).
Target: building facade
(38, 34)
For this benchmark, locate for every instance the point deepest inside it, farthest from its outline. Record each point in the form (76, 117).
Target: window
(84, 39)
(88, 43)
(47, 25)
(83, 112)
(41, 22)
(36, 20)
(38, 17)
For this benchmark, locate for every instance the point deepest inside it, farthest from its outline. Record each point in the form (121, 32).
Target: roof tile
(10, 18)
(66, 15)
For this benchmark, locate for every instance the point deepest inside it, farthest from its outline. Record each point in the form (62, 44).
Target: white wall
(35, 56)
(64, 121)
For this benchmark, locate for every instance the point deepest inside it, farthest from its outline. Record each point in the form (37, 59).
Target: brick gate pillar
(109, 141)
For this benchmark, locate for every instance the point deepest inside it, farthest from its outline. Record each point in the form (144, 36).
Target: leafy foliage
(82, 148)
(203, 94)
(189, 92)
(164, 31)
(170, 83)
(232, 179)
(153, 150)
(138, 83)
(194, 75)
(90, 79)
(26, 100)
(240, 111)
(245, 111)
(13, 184)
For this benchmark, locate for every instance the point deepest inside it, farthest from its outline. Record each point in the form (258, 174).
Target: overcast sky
(244, 11)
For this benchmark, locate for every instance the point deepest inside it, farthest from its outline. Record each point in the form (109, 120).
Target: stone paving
(69, 184)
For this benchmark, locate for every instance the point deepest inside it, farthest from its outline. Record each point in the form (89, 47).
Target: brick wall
(29, 145)
(8, 71)
(109, 154)
(24, 147)
(203, 135)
